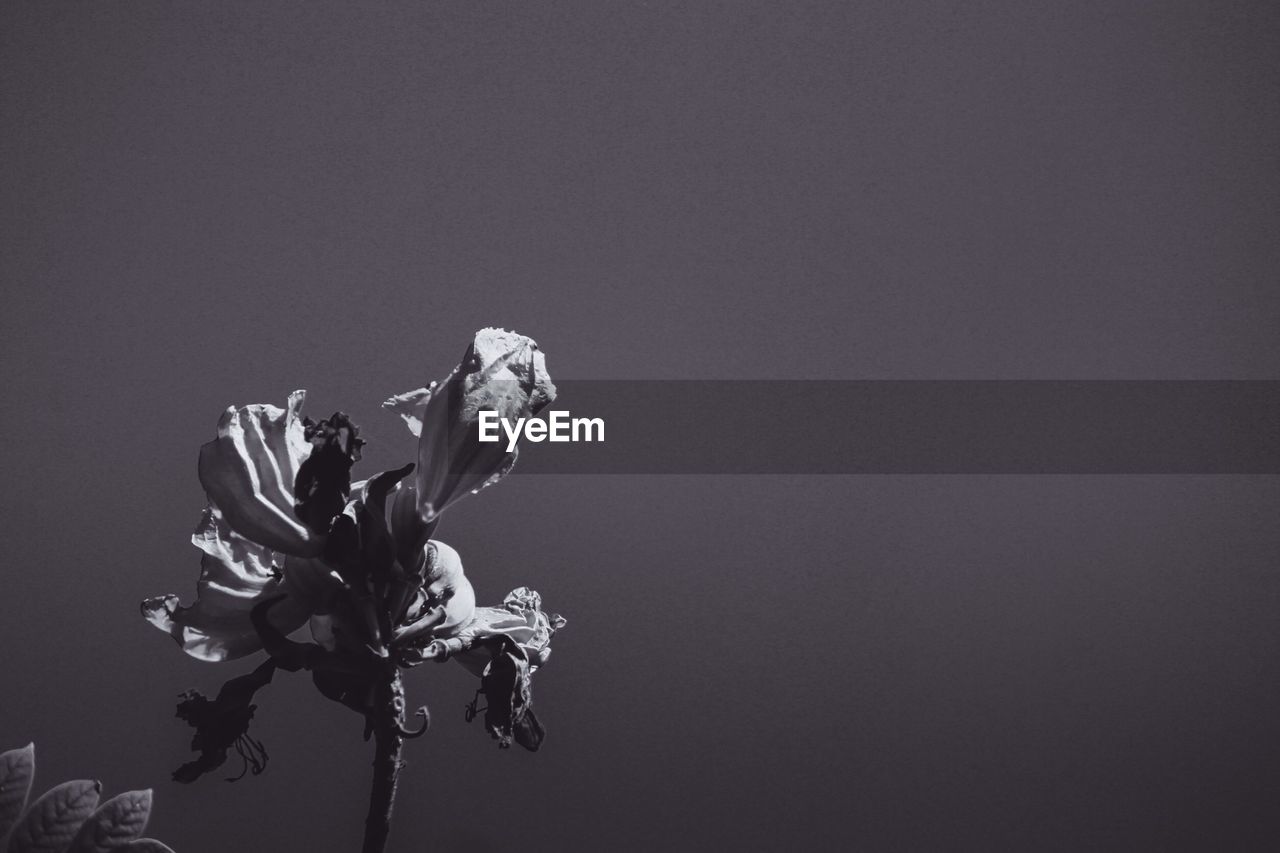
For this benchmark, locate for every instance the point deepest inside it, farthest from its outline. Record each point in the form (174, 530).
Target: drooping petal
(249, 472)
(235, 574)
(508, 692)
(520, 618)
(502, 372)
(222, 723)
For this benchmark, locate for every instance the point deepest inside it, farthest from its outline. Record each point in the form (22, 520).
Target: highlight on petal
(501, 371)
(445, 603)
(235, 574)
(249, 471)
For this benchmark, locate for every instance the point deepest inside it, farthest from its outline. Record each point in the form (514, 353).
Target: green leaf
(17, 769)
(145, 845)
(116, 822)
(51, 823)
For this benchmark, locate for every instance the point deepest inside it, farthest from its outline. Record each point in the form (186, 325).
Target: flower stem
(388, 723)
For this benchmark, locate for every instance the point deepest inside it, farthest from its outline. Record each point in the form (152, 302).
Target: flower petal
(249, 472)
(508, 694)
(410, 406)
(446, 601)
(409, 532)
(503, 372)
(446, 583)
(520, 619)
(235, 574)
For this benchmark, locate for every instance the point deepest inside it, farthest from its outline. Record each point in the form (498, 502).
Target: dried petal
(446, 602)
(508, 691)
(235, 574)
(249, 471)
(324, 478)
(222, 724)
(503, 372)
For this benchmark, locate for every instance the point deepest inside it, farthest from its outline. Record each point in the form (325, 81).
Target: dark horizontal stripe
(948, 427)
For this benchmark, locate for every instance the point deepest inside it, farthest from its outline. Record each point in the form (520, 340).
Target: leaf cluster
(69, 818)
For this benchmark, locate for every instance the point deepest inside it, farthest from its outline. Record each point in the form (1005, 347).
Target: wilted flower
(255, 547)
(280, 519)
(288, 539)
(501, 372)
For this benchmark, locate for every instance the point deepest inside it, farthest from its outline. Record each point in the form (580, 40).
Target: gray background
(217, 203)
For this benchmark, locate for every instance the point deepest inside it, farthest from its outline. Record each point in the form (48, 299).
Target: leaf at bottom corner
(17, 769)
(52, 821)
(118, 821)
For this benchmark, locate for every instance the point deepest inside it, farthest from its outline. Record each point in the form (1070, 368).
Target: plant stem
(388, 723)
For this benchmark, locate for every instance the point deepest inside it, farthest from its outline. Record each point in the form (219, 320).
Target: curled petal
(503, 372)
(447, 586)
(519, 619)
(235, 574)
(446, 601)
(411, 406)
(249, 472)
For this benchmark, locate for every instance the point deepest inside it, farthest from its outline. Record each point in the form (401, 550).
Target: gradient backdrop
(206, 204)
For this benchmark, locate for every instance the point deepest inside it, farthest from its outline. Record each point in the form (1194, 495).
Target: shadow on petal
(235, 575)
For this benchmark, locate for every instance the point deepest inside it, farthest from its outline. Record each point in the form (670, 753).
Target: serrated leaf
(17, 769)
(116, 822)
(53, 820)
(145, 845)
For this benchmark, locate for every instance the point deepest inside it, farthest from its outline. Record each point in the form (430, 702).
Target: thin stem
(388, 723)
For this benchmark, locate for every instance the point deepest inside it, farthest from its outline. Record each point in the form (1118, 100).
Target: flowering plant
(288, 540)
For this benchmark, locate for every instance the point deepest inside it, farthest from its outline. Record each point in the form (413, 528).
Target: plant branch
(388, 738)
(388, 725)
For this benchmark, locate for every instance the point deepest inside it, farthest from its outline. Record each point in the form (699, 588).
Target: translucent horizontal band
(948, 427)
